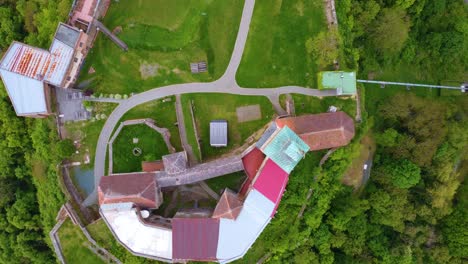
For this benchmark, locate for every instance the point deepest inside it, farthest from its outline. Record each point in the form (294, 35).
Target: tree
(390, 31)
(9, 27)
(388, 139)
(324, 47)
(403, 173)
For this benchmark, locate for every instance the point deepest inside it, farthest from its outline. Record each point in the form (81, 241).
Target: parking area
(70, 105)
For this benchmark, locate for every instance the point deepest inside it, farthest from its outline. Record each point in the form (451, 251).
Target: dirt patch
(177, 71)
(149, 70)
(248, 113)
(117, 30)
(91, 70)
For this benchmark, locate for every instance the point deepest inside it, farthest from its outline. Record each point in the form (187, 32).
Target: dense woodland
(30, 193)
(412, 210)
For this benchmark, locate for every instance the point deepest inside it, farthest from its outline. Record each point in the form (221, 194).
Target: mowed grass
(313, 105)
(275, 52)
(75, 245)
(150, 142)
(189, 127)
(163, 112)
(165, 36)
(209, 107)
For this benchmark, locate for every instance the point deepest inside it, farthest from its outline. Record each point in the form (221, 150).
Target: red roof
(138, 188)
(271, 181)
(150, 166)
(321, 131)
(195, 238)
(229, 206)
(252, 162)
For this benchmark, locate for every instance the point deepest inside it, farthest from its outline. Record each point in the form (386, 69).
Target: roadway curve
(226, 84)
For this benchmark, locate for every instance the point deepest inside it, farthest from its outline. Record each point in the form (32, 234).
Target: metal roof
(266, 135)
(61, 56)
(344, 82)
(271, 182)
(236, 237)
(140, 238)
(26, 61)
(218, 133)
(194, 238)
(286, 149)
(26, 94)
(67, 35)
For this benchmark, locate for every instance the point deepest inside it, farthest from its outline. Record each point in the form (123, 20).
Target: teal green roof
(286, 149)
(344, 82)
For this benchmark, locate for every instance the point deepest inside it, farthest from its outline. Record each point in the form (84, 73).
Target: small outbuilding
(218, 133)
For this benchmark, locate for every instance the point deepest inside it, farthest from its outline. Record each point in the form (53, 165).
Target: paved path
(183, 132)
(109, 34)
(226, 84)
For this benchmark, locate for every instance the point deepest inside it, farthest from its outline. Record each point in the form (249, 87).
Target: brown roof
(321, 131)
(150, 166)
(195, 238)
(138, 188)
(229, 206)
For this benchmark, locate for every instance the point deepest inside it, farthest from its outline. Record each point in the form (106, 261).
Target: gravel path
(226, 84)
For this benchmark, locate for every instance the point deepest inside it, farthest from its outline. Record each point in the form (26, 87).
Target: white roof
(26, 61)
(26, 94)
(218, 133)
(140, 238)
(237, 236)
(61, 56)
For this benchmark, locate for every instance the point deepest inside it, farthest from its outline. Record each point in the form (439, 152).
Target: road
(226, 84)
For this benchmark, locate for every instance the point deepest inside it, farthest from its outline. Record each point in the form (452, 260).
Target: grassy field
(312, 105)
(87, 132)
(275, 53)
(232, 181)
(223, 106)
(164, 37)
(149, 141)
(163, 112)
(75, 246)
(190, 129)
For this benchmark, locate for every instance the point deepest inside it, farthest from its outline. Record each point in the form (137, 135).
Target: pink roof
(271, 182)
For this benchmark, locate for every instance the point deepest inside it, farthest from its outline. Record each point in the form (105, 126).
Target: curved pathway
(226, 84)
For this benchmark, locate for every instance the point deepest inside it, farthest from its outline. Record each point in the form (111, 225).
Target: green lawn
(190, 129)
(149, 141)
(312, 105)
(232, 181)
(165, 36)
(275, 53)
(223, 106)
(75, 245)
(163, 112)
(87, 132)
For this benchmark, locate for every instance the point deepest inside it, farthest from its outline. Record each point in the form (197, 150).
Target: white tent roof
(26, 94)
(140, 238)
(236, 237)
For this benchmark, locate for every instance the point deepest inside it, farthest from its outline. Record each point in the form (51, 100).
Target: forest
(414, 206)
(30, 192)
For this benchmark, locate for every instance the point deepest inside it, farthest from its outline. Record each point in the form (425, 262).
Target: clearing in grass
(75, 246)
(276, 53)
(163, 37)
(208, 107)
